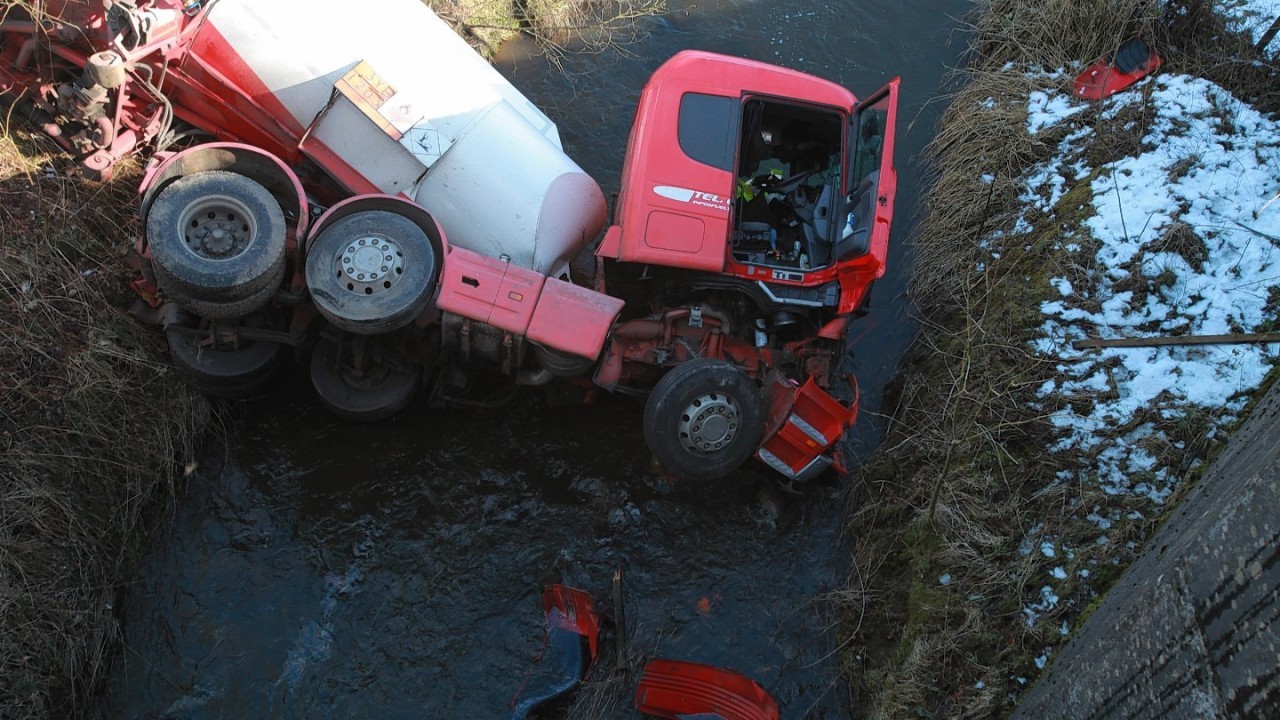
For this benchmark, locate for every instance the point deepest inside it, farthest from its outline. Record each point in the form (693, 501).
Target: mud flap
(681, 690)
(573, 632)
(803, 424)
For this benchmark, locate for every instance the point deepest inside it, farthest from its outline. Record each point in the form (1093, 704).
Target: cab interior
(787, 198)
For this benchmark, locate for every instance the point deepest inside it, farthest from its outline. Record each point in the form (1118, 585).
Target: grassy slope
(91, 422)
(963, 479)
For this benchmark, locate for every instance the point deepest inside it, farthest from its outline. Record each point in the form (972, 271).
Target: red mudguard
(677, 690)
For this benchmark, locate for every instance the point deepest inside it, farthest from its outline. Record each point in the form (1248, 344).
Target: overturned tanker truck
(351, 183)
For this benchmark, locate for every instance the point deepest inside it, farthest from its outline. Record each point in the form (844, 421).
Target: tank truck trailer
(357, 183)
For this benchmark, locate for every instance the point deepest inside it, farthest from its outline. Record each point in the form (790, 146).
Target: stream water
(313, 568)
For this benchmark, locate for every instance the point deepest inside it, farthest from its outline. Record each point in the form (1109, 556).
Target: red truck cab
(753, 218)
(774, 176)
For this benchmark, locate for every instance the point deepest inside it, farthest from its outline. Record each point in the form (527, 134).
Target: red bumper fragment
(804, 423)
(573, 633)
(676, 689)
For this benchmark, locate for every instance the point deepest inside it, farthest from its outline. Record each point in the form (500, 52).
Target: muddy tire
(224, 310)
(703, 419)
(216, 237)
(225, 371)
(373, 394)
(562, 364)
(371, 272)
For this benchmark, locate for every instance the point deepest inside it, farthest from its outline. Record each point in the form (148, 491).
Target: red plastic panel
(812, 424)
(576, 612)
(674, 689)
(1103, 79)
(573, 319)
(517, 298)
(470, 283)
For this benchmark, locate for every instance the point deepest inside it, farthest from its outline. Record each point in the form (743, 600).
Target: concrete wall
(1192, 630)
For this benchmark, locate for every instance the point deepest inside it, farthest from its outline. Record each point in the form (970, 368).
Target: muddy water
(318, 569)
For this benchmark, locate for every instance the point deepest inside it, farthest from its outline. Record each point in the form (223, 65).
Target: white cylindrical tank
(394, 99)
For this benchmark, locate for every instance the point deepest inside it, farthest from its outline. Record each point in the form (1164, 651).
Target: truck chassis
(405, 228)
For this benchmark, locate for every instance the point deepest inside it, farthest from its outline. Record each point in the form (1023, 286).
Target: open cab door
(804, 421)
(872, 183)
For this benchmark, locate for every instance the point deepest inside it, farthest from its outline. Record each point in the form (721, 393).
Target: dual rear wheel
(217, 242)
(370, 274)
(218, 249)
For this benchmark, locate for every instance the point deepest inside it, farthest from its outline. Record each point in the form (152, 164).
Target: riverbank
(1021, 475)
(94, 426)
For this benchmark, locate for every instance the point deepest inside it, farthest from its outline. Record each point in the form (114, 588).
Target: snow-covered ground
(1182, 237)
(1187, 243)
(1251, 16)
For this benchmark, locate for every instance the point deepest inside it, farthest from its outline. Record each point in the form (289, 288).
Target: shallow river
(318, 569)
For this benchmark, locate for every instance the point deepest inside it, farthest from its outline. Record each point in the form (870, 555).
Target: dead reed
(558, 27)
(91, 425)
(951, 511)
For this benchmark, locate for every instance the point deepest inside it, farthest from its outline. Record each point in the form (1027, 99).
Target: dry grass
(1056, 33)
(557, 26)
(604, 696)
(91, 424)
(953, 508)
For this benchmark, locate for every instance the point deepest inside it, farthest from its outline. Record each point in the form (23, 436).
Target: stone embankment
(1192, 629)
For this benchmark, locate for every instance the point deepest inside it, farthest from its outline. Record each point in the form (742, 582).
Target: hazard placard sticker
(424, 142)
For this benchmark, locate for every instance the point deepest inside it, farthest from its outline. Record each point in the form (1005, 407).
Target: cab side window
(867, 141)
(707, 129)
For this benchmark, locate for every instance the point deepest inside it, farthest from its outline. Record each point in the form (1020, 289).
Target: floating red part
(676, 689)
(575, 612)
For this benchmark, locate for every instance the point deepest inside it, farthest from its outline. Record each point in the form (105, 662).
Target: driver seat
(816, 217)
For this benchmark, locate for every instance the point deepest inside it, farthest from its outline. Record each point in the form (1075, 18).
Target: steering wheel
(782, 186)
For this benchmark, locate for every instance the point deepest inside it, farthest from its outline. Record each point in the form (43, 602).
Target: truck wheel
(222, 310)
(703, 419)
(561, 364)
(371, 272)
(224, 371)
(216, 236)
(374, 393)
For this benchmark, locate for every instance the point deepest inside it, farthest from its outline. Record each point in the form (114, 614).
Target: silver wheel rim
(709, 423)
(370, 264)
(218, 227)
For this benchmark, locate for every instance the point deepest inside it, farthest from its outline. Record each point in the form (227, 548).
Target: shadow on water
(319, 569)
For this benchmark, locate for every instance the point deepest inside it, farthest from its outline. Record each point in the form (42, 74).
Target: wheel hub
(709, 423)
(217, 238)
(218, 228)
(370, 264)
